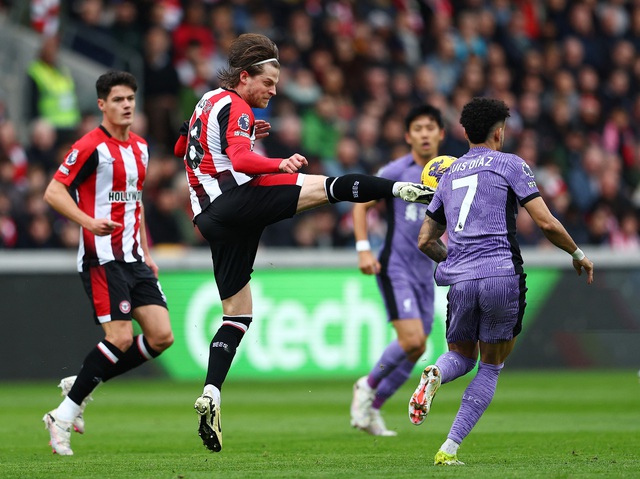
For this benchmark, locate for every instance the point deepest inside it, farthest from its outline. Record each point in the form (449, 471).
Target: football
(433, 170)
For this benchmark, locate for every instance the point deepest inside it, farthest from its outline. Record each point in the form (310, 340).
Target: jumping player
(236, 193)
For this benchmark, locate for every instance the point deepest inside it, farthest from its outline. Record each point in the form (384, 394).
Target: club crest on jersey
(71, 158)
(527, 170)
(125, 306)
(243, 122)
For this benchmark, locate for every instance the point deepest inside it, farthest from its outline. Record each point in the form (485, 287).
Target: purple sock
(390, 384)
(452, 365)
(475, 400)
(391, 357)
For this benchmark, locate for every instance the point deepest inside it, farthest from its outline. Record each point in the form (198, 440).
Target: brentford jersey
(221, 119)
(106, 176)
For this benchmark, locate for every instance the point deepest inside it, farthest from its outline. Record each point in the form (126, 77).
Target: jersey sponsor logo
(124, 306)
(64, 170)
(243, 122)
(71, 158)
(125, 196)
(527, 170)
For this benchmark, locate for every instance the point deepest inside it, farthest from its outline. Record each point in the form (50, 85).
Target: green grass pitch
(540, 424)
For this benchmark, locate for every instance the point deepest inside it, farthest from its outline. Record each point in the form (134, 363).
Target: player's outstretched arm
(558, 235)
(429, 240)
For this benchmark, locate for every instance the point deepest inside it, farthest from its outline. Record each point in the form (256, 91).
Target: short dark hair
(423, 110)
(481, 116)
(244, 52)
(112, 78)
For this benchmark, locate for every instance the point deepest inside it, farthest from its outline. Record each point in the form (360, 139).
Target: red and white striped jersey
(221, 119)
(107, 176)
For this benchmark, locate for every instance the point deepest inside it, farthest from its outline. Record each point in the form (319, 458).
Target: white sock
(450, 447)
(68, 410)
(397, 185)
(214, 392)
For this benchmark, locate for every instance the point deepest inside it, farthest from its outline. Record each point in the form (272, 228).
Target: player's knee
(414, 346)
(162, 341)
(121, 341)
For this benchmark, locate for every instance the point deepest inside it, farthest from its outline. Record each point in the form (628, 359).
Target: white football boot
(209, 428)
(420, 403)
(377, 427)
(416, 193)
(59, 432)
(363, 396)
(66, 384)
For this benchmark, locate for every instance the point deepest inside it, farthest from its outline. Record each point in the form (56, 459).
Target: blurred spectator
(193, 30)
(51, 90)
(8, 228)
(161, 84)
(444, 62)
(196, 76)
(11, 146)
(163, 217)
(42, 146)
(91, 37)
(124, 27)
(320, 129)
(625, 237)
(45, 16)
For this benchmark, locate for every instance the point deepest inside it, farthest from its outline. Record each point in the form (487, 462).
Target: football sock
(214, 392)
(390, 384)
(452, 365)
(67, 410)
(223, 348)
(475, 400)
(358, 188)
(450, 447)
(139, 352)
(390, 358)
(97, 363)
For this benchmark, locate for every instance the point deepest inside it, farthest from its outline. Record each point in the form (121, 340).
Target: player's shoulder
(90, 140)
(398, 164)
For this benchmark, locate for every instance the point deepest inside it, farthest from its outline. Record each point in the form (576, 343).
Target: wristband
(577, 255)
(363, 245)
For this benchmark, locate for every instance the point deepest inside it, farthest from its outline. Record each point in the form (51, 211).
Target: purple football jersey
(477, 198)
(406, 274)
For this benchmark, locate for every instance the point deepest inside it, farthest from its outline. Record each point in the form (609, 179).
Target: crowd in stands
(569, 71)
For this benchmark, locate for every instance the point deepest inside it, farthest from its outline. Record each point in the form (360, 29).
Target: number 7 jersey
(477, 199)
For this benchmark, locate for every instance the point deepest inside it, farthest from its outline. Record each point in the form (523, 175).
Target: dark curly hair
(481, 116)
(244, 52)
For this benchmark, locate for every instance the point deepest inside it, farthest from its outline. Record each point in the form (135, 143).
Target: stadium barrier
(315, 315)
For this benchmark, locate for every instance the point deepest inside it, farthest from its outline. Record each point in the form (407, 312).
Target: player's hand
(293, 163)
(104, 226)
(586, 264)
(261, 129)
(151, 264)
(368, 263)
